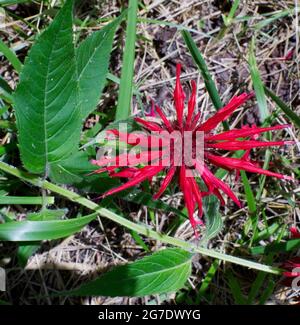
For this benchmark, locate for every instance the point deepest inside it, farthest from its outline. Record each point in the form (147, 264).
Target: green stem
(23, 200)
(139, 228)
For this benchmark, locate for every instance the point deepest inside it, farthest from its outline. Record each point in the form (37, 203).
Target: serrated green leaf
(42, 230)
(47, 111)
(92, 58)
(213, 220)
(164, 271)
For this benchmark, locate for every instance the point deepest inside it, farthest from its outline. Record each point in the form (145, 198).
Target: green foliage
(126, 83)
(203, 69)
(46, 99)
(257, 84)
(26, 249)
(164, 271)
(92, 59)
(42, 230)
(59, 86)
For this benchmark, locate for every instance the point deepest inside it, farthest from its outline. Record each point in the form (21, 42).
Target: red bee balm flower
(212, 144)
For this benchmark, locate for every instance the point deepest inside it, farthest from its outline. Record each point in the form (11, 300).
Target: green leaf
(47, 112)
(29, 248)
(42, 230)
(283, 106)
(213, 220)
(257, 84)
(92, 57)
(164, 271)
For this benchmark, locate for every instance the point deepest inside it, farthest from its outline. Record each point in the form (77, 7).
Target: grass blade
(249, 194)
(208, 278)
(235, 289)
(283, 106)
(257, 84)
(126, 83)
(11, 56)
(201, 64)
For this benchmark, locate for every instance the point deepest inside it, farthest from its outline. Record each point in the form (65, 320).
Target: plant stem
(139, 228)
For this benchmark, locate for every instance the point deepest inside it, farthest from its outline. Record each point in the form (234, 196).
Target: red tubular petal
(188, 198)
(234, 163)
(197, 195)
(291, 274)
(151, 126)
(219, 196)
(179, 96)
(152, 111)
(165, 182)
(242, 133)
(224, 112)
(209, 184)
(164, 118)
(295, 232)
(143, 174)
(192, 103)
(245, 145)
(195, 120)
(218, 184)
